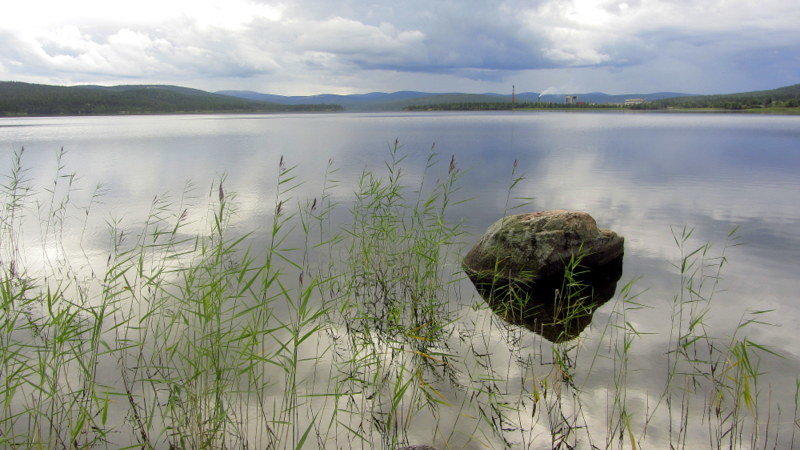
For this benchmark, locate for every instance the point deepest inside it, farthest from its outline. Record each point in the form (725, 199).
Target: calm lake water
(641, 175)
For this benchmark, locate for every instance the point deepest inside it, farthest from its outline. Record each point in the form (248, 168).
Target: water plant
(346, 324)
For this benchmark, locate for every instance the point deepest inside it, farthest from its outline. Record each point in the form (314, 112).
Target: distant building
(571, 99)
(634, 101)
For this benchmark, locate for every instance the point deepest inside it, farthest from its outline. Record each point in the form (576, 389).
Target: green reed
(341, 325)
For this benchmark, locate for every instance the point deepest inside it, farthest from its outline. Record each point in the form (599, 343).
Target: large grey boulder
(526, 247)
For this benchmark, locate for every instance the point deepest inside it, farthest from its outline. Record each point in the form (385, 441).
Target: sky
(304, 47)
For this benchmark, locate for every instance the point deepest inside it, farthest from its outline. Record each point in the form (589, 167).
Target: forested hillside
(23, 99)
(788, 96)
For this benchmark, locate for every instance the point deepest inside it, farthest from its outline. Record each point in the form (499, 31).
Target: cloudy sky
(355, 46)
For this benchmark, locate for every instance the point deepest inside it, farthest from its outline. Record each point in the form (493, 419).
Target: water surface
(645, 176)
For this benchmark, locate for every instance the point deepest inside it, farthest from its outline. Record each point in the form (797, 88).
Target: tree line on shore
(506, 106)
(780, 98)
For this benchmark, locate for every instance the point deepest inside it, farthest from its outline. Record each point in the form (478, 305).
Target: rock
(416, 447)
(526, 247)
(518, 267)
(549, 307)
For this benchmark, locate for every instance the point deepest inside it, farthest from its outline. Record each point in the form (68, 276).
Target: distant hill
(19, 99)
(22, 99)
(374, 101)
(788, 96)
(437, 99)
(397, 101)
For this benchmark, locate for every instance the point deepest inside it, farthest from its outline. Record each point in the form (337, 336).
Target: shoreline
(754, 111)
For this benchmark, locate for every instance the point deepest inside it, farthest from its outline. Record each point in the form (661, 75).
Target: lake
(648, 176)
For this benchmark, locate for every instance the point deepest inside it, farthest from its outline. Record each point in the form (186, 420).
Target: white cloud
(371, 45)
(226, 14)
(300, 41)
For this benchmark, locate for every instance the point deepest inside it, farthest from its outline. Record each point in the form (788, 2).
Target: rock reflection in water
(554, 308)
